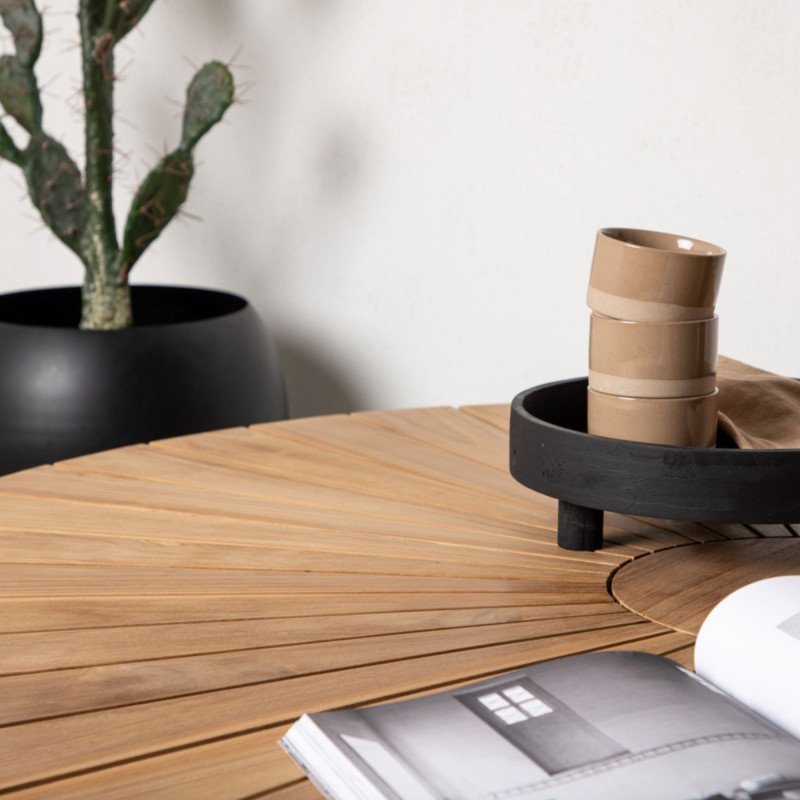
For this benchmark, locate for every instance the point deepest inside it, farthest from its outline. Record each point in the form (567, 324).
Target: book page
(602, 725)
(749, 646)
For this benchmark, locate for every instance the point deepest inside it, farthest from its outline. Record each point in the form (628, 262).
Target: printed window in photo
(515, 704)
(543, 727)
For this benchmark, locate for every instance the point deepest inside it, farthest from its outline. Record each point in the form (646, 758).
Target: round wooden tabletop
(167, 610)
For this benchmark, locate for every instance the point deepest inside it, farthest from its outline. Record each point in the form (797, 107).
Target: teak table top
(167, 610)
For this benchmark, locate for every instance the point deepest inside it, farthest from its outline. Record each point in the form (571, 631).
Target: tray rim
(640, 478)
(518, 404)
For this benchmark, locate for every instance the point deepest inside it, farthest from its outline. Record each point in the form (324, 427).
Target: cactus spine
(78, 209)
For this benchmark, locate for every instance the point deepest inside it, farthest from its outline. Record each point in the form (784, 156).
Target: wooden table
(166, 610)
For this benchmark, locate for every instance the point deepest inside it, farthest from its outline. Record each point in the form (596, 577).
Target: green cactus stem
(79, 210)
(105, 306)
(100, 235)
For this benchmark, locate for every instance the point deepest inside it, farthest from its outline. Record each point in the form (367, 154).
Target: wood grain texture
(168, 609)
(679, 587)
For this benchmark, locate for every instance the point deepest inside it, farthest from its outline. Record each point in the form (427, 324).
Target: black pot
(195, 360)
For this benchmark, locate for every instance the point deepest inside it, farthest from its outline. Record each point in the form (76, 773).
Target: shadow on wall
(314, 384)
(331, 169)
(265, 252)
(313, 387)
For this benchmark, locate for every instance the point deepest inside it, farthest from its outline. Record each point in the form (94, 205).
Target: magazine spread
(622, 725)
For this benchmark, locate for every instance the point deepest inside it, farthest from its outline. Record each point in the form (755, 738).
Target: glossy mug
(648, 276)
(681, 421)
(653, 359)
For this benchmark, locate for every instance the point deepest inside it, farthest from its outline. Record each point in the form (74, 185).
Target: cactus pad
(156, 202)
(209, 95)
(55, 186)
(25, 25)
(19, 95)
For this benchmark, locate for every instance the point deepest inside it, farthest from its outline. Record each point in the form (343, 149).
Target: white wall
(410, 195)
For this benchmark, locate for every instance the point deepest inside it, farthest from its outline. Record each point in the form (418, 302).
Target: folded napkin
(757, 409)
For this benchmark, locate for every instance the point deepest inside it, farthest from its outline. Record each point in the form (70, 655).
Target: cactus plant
(78, 209)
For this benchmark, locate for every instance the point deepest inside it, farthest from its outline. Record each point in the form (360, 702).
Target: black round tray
(552, 454)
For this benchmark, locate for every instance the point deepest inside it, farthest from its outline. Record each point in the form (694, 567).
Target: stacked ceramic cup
(653, 340)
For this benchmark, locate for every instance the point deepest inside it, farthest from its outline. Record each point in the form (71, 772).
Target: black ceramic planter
(552, 454)
(195, 360)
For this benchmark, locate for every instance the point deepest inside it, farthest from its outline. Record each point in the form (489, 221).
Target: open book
(619, 725)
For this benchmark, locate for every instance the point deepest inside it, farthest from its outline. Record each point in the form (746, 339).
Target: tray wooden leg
(579, 528)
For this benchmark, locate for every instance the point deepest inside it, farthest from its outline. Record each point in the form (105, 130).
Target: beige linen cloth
(757, 408)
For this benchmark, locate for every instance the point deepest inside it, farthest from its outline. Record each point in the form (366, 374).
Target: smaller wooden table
(167, 610)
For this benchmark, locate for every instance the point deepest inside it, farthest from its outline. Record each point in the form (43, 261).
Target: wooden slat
(446, 429)
(299, 791)
(36, 652)
(771, 530)
(41, 580)
(662, 644)
(684, 656)
(95, 612)
(232, 769)
(497, 415)
(732, 530)
(648, 536)
(692, 531)
(329, 555)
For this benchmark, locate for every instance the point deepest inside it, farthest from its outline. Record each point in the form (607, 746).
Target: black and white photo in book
(621, 725)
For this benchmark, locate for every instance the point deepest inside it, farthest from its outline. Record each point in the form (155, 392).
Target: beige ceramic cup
(648, 276)
(681, 421)
(653, 359)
